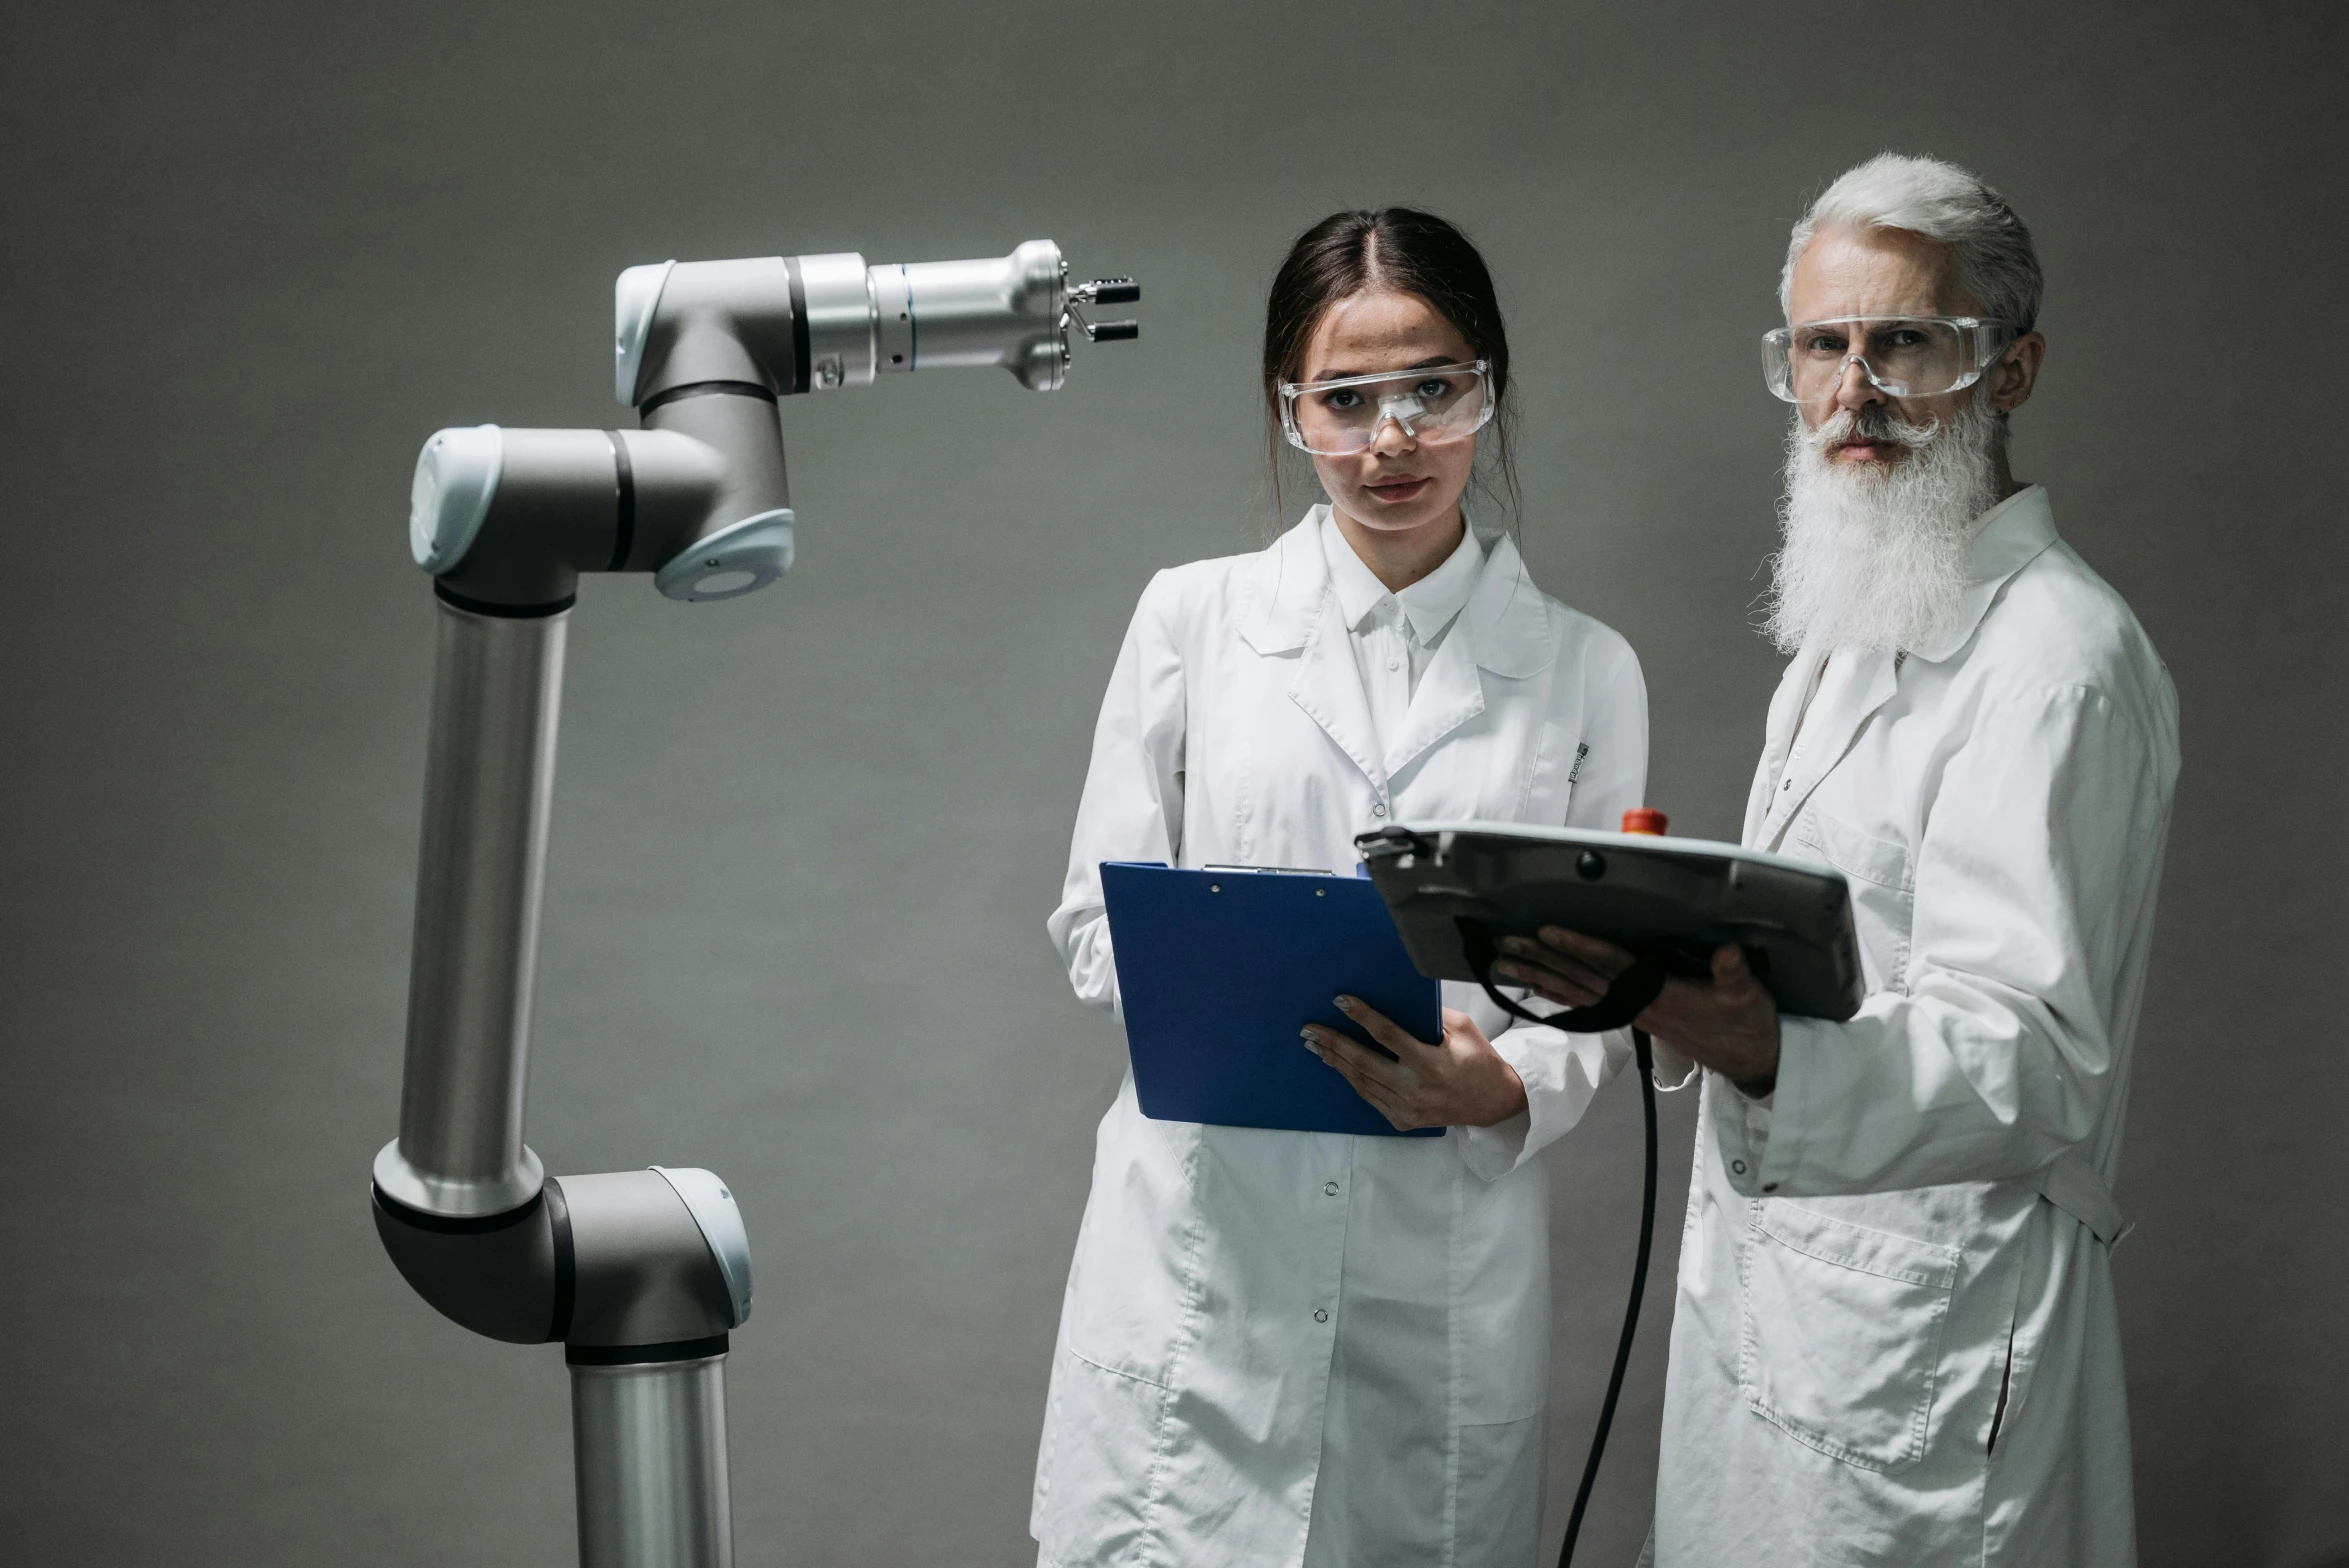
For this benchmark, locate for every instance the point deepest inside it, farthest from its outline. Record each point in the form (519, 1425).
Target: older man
(1895, 1339)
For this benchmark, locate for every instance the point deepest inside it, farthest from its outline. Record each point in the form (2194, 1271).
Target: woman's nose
(1391, 439)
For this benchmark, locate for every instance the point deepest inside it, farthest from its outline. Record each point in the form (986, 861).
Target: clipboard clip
(1290, 871)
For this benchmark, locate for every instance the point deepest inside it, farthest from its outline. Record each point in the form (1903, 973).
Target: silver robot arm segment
(820, 323)
(640, 1274)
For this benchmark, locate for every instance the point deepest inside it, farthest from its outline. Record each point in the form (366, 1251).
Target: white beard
(1876, 559)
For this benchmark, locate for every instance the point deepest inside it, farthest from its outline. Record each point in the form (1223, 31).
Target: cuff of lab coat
(1742, 1127)
(1673, 1070)
(1762, 1139)
(1561, 1073)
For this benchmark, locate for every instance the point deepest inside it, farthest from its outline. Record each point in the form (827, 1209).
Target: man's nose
(1853, 390)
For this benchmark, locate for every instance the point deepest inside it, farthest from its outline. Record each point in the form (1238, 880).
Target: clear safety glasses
(1902, 356)
(1431, 406)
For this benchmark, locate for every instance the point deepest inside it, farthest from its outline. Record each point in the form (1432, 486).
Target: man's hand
(1729, 1023)
(1460, 1081)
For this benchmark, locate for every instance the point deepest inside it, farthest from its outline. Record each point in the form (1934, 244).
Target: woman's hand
(1459, 1081)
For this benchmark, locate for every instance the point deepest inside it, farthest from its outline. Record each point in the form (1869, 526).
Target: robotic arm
(641, 1274)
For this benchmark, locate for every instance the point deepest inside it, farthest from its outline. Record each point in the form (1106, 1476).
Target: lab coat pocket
(1842, 1333)
(1134, 1286)
(1098, 1487)
(1497, 1495)
(1883, 889)
(1852, 850)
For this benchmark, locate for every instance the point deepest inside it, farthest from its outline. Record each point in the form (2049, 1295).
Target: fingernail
(1506, 971)
(1345, 1004)
(1514, 944)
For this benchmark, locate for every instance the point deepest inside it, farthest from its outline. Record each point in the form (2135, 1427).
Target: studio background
(804, 843)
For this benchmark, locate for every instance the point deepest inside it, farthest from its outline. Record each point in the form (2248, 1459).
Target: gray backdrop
(805, 843)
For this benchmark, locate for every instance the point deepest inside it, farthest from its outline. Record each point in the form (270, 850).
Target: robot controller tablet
(1456, 888)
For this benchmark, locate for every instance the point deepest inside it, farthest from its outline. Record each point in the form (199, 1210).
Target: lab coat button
(1331, 1188)
(1320, 1315)
(1378, 811)
(1738, 1166)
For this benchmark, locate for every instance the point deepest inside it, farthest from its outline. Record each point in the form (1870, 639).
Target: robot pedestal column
(650, 1442)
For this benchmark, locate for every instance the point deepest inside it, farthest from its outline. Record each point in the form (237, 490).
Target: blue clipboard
(1217, 972)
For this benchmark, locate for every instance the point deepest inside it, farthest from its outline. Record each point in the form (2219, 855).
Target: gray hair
(1943, 202)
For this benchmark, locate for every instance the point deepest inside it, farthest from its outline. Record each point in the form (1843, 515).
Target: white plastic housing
(456, 479)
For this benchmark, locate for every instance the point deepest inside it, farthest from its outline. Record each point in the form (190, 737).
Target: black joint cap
(1116, 331)
(495, 1274)
(1116, 291)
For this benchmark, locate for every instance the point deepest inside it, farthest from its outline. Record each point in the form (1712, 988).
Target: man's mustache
(1872, 423)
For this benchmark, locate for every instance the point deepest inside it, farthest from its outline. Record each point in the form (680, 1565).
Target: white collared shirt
(1395, 634)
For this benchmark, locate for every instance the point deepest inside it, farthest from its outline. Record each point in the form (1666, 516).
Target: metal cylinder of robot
(489, 782)
(649, 1443)
(927, 315)
(1004, 310)
(826, 321)
(838, 305)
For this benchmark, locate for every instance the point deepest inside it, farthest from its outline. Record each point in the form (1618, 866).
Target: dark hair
(1398, 248)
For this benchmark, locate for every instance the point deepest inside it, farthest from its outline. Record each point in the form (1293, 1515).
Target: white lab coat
(1868, 1258)
(1276, 1336)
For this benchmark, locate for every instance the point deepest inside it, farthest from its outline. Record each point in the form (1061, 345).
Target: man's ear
(2016, 372)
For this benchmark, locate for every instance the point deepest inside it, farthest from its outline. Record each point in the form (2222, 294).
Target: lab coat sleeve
(1562, 1072)
(2038, 862)
(1132, 807)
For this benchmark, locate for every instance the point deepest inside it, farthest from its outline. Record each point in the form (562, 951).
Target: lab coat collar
(1504, 627)
(1430, 604)
(2007, 538)
(1505, 622)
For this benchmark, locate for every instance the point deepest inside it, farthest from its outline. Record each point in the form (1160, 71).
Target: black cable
(1627, 997)
(1644, 1061)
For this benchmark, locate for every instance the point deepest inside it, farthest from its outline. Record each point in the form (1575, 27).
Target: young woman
(1308, 1348)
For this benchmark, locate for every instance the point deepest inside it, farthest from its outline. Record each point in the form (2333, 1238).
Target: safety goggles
(1902, 356)
(1431, 406)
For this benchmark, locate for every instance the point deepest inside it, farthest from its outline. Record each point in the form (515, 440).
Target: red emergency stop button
(1645, 819)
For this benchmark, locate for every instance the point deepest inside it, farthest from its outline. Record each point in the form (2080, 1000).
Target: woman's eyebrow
(1431, 362)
